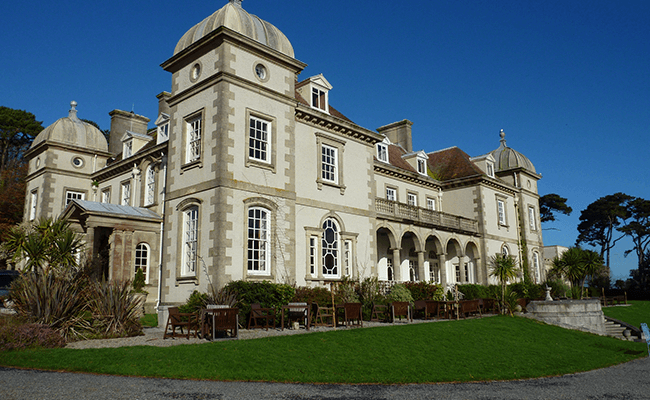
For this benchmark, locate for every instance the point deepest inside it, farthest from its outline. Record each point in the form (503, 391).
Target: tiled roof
(395, 154)
(452, 163)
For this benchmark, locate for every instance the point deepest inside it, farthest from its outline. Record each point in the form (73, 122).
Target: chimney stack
(399, 133)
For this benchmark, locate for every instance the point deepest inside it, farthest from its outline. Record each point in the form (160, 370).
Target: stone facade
(251, 174)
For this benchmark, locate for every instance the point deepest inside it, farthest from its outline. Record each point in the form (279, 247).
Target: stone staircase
(615, 328)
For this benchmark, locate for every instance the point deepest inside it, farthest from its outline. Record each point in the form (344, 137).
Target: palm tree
(576, 264)
(504, 268)
(44, 245)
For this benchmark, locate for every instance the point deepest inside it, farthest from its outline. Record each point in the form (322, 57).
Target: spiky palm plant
(504, 268)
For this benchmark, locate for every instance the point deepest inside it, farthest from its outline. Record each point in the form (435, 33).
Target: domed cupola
(507, 158)
(234, 17)
(73, 131)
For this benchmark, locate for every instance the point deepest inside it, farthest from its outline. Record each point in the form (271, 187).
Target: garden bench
(468, 307)
(430, 308)
(646, 333)
(177, 319)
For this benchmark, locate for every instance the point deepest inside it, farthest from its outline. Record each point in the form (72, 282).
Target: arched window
(413, 270)
(142, 252)
(504, 250)
(330, 245)
(151, 185)
(538, 277)
(190, 240)
(259, 246)
(390, 274)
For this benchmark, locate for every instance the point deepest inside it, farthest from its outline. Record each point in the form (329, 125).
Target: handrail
(423, 215)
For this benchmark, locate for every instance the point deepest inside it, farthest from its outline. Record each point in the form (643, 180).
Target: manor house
(252, 173)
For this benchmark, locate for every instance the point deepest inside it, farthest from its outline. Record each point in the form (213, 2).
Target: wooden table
(296, 307)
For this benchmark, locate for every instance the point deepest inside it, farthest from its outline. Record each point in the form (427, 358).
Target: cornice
(392, 171)
(42, 146)
(228, 77)
(223, 34)
(336, 125)
(125, 165)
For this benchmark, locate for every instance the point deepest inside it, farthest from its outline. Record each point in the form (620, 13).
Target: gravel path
(154, 336)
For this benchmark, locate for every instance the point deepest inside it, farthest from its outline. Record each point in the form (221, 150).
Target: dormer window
(162, 122)
(382, 152)
(490, 170)
(319, 99)
(422, 166)
(315, 92)
(127, 150)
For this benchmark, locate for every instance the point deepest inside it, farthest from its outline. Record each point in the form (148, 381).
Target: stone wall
(584, 315)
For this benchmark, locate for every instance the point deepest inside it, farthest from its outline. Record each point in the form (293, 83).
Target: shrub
(194, 303)
(425, 290)
(29, 336)
(139, 282)
(399, 292)
(346, 291)
(471, 291)
(268, 294)
(319, 295)
(51, 299)
(114, 309)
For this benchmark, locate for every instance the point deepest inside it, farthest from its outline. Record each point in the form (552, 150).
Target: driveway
(627, 381)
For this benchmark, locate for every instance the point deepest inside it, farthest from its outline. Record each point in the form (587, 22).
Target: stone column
(397, 265)
(421, 271)
(461, 267)
(442, 261)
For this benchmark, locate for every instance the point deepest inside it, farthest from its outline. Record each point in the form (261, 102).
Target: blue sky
(568, 81)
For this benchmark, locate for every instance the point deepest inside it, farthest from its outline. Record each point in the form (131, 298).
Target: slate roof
(115, 210)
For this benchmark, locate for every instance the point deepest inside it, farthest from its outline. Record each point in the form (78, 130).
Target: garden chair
(353, 314)
(322, 315)
(380, 312)
(267, 315)
(401, 309)
(177, 319)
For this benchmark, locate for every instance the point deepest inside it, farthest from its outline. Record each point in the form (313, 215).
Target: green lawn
(496, 348)
(636, 312)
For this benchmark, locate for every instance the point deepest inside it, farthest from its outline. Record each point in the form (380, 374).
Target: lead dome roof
(234, 17)
(73, 131)
(507, 158)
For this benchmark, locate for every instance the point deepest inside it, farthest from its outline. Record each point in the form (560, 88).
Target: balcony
(401, 212)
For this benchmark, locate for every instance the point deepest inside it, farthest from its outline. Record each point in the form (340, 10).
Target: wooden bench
(380, 312)
(469, 307)
(610, 300)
